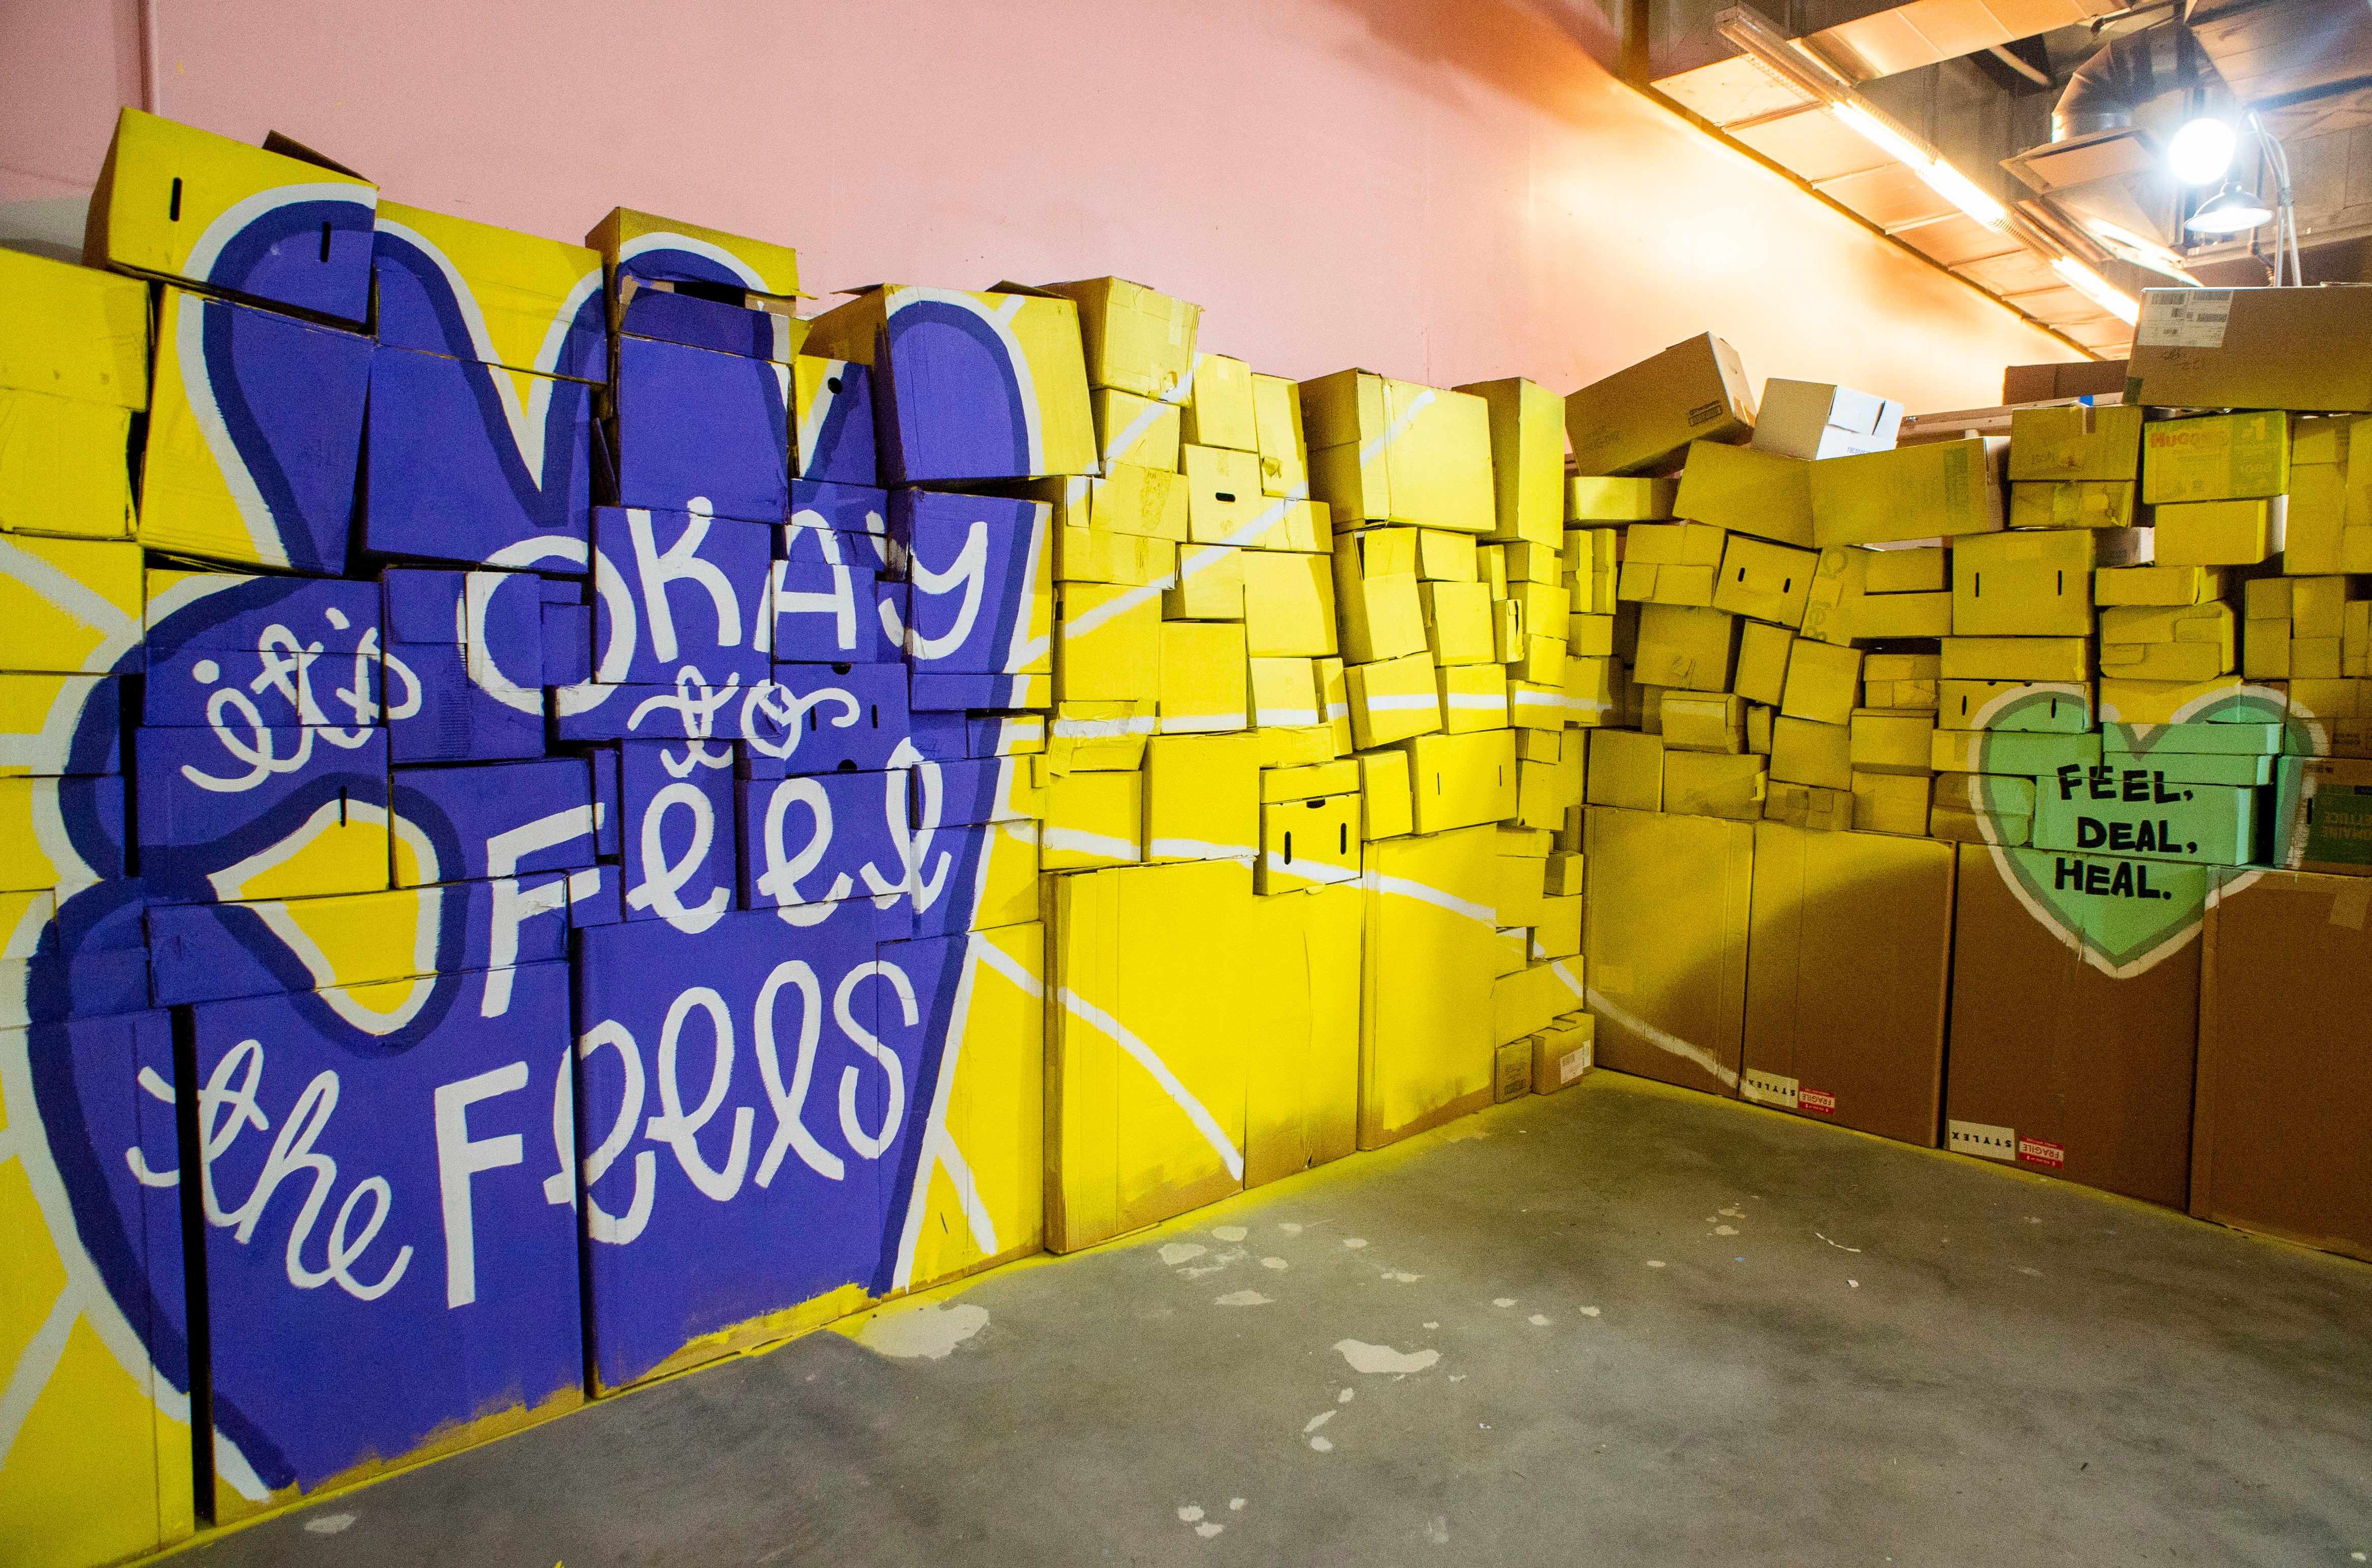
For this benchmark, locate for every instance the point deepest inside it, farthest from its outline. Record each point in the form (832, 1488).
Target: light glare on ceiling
(2201, 152)
(1937, 175)
(2097, 289)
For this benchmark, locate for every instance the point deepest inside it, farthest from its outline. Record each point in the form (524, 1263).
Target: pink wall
(1442, 190)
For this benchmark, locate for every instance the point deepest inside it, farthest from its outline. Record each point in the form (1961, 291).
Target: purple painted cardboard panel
(381, 1198)
(499, 819)
(941, 737)
(457, 468)
(825, 599)
(935, 691)
(964, 793)
(739, 1111)
(691, 424)
(289, 650)
(980, 574)
(815, 840)
(837, 718)
(678, 837)
(211, 800)
(678, 592)
(835, 430)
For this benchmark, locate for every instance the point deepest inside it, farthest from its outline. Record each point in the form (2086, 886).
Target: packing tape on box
(1101, 729)
(1671, 1044)
(1158, 1070)
(1201, 849)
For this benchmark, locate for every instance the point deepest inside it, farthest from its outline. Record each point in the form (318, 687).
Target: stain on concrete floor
(1623, 1325)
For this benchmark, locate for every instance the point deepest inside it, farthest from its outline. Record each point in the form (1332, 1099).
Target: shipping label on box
(175, 202)
(832, 422)
(254, 435)
(968, 386)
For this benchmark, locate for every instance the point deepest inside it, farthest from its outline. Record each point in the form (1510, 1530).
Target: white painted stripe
(35, 1361)
(1102, 729)
(1119, 1035)
(1390, 705)
(1400, 887)
(1287, 719)
(1191, 559)
(1663, 1042)
(1478, 702)
(1397, 428)
(1080, 842)
(1202, 723)
(1132, 432)
(1202, 849)
(1310, 870)
(67, 594)
(1556, 966)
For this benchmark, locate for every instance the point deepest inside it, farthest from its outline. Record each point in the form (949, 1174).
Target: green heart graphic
(2122, 915)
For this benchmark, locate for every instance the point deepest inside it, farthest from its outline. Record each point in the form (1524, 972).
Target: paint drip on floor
(930, 1332)
(1364, 1357)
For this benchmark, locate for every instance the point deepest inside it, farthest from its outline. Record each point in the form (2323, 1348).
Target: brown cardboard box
(1847, 963)
(2076, 1062)
(1636, 418)
(2072, 378)
(2282, 1134)
(2254, 348)
(1667, 981)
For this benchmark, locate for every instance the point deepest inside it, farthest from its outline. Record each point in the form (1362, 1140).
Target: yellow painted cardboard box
(1526, 459)
(1393, 700)
(1807, 751)
(71, 332)
(2162, 701)
(2228, 457)
(769, 273)
(1886, 741)
(64, 468)
(1748, 491)
(1914, 569)
(1424, 1026)
(2023, 585)
(2073, 504)
(1530, 1000)
(1593, 692)
(1942, 489)
(2066, 660)
(1096, 737)
(1134, 430)
(1862, 1046)
(1680, 646)
(1392, 451)
(2078, 443)
(1302, 1079)
(1110, 642)
(1284, 692)
(1146, 1095)
(1668, 982)
(1823, 683)
(1129, 500)
(68, 607)
(1093, 820)
(1710, 784)
(1891, 803)
(1699, 721)
(1202, 666)
(1897, 616)
(1202, 797)
(1220, 407)
(1207, 586)
(2061, 707)
(1457, 621)
(1223, 491)
(1626, 769)
(2157, 584)
(1386, 803)
(1101, 555)
(1473, 697)
(171, 196)
(1308, 844)
(518, 293)
(1138, 341)
(1763, 653)
(2180, 642)
(2222, 533)
(1768, 581)
(1288, 605)
(1457, 781)
(1838, 586)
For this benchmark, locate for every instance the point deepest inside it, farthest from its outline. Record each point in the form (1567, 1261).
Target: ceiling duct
(2124, 73)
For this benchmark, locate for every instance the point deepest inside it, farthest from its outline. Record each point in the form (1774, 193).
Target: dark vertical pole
(1635, 68)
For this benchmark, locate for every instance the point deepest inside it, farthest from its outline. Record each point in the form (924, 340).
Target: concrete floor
(1659, 1329)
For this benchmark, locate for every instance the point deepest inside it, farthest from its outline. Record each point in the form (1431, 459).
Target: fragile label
(2035, 1151)
(1768, 1088)
(1982, 1138)
(2183, 318)
(1819, 1102)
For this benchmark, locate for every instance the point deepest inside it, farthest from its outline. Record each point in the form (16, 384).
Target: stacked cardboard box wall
(602, 821)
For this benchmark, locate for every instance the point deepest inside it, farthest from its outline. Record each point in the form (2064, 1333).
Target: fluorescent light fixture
(2201, 152)
(2142, 252)
(2097, 289)
(1937, 175)
(2230, 211)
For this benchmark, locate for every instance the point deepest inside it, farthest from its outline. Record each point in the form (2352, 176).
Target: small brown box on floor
(1562, 1054)
(2278, 1139)
(1512, 1076)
